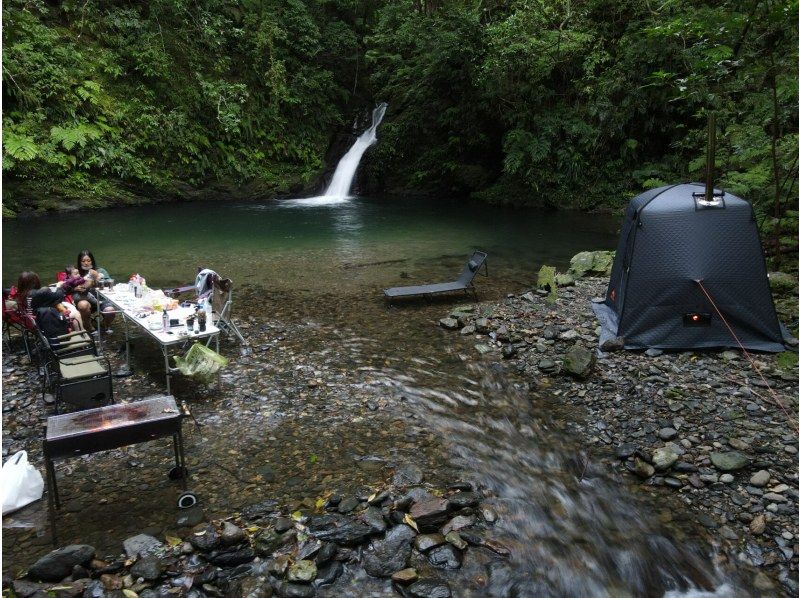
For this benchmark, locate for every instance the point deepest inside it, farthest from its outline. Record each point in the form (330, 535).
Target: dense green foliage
(577, 103)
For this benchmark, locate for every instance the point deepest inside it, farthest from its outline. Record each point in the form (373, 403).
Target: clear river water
(339, 388)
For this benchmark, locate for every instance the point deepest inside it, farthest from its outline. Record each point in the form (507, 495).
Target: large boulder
(591, 263)
(58, 564)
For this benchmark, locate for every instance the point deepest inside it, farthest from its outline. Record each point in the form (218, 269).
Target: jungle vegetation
(559, 103)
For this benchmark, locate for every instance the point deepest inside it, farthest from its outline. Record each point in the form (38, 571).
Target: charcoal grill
(114, 426)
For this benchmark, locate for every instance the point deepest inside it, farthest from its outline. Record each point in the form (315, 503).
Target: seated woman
(84, 298)
(27, 284)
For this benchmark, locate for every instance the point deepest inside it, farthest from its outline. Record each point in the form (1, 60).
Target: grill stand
(66, 439)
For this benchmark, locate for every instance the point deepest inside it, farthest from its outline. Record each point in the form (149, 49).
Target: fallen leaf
(410, 522)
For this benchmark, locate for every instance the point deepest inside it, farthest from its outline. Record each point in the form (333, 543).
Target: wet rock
(284, 524)
(328, 574)
(141, 544)
(23, 588)
(729, 461)
(148, 567)
(448, 323)
(461, 500)
(231, 558)
(373, 517)
(58, 564)
(303, 571)
(758, 525)
(642, 468)
(625, 450)
(483, 348)
(467, 330)
(231, 534)
(348, 505)
(204, 537)
(425, 542)
(191, 517)
(260, 509)
(407, 475)
(509, 351)
(96, 589)
(287, 589)
(482, 325)
(405, 576)
(390, 554)
(266, 542)
(111, 581)
(446, 556)
(488, 513)
(339, 529)
(326, 553)
(458, 523)
(430, 514)
(249, 587)
(664, 458)
(428, 588)
(456, 540)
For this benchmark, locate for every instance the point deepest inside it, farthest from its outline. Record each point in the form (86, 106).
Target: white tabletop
(151, 322)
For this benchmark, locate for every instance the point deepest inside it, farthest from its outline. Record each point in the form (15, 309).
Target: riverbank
(313, 415)
(716, 430)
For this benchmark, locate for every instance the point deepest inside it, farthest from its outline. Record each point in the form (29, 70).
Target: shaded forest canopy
(577, 103)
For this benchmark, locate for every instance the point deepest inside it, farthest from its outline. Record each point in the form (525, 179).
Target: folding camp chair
(462, 283)
(222, 306)
(210, 285)
(15, 318)
(73, 371)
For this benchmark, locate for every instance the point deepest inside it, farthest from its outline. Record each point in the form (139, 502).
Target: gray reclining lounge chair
(463, 283)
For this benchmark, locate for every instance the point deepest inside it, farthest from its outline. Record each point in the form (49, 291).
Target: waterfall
(346, 169)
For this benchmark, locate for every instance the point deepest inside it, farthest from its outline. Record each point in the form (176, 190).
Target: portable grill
(114, 426)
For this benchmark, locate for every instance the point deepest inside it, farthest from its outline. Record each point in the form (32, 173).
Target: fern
(20, 147)
(78, 135)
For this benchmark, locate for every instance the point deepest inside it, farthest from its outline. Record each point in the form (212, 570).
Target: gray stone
(141, 544)
(204, 537)
(428, 588)
(424, 542)
(391, 554)
(303, 571)
(579, 362)
(448, 323)
(327, 574)
(642, 468)
(231, 534)
(446, 556)
(430, 514)
(667, 433)
(664, 458)
(466, 330)
(760, 478)
(483, 348)
(407, 475)
(147, 567)
(729, 461)
(613, 344)
(58, 564)
(339, 529)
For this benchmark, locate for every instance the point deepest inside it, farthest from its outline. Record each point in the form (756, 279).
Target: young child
(70, 278)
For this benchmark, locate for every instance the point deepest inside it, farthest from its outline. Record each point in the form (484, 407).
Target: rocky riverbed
(502, 426)
(715, 430)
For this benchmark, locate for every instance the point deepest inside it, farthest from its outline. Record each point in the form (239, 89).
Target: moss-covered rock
(591, 263)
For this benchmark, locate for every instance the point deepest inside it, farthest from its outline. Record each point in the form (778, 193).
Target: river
(337, 388)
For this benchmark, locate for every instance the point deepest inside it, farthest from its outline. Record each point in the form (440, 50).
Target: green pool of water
(346, 248)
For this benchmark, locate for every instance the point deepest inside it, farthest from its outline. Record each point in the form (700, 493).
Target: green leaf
(20, 147)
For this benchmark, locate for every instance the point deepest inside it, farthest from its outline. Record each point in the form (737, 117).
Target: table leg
(52, 497)
(165, 351)
(180, 460)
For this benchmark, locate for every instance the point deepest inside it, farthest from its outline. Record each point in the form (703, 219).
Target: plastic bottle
(164, 321)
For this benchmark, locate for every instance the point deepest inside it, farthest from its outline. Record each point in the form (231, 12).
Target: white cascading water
(346, 169)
